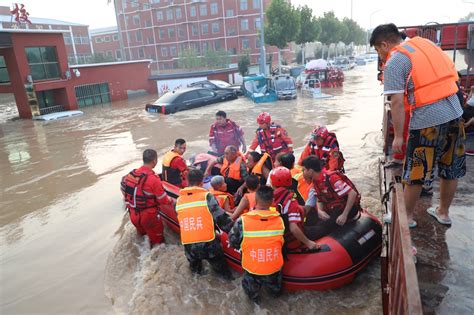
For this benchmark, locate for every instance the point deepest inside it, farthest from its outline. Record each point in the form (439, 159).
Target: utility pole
(263, 62)
(351, 8)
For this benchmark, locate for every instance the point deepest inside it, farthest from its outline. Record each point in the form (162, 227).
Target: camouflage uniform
(252, 283)
(211, 251)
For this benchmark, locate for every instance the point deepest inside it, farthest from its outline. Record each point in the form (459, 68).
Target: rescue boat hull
(344, 252)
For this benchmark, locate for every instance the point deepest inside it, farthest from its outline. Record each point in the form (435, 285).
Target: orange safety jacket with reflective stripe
(433, 73)
(171, 175)
(258, 168)
(251, 199)
(262, 242)
(233, 170)
(195, 219)
(222, 196)
(302, 189)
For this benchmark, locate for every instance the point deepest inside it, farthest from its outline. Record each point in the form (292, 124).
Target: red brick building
(34, 68)
(76, 36)
(161, 29)
(106, 42)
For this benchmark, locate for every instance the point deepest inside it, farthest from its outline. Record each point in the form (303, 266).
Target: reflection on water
(62, 225)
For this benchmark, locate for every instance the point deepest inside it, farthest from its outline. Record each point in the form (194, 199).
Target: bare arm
(398, 118)
(296, 231)
(244, 204)
(209, 167)
(351, 198)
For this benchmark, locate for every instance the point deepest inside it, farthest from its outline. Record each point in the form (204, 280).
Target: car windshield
(220, 83)
(167, 98)
(284, 84)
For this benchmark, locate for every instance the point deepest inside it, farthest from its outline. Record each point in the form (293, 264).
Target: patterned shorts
(442, 144)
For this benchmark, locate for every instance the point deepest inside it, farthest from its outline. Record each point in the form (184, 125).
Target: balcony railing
(52, 109)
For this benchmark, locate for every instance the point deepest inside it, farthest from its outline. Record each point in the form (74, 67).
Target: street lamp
(370, 26)
(263, 68)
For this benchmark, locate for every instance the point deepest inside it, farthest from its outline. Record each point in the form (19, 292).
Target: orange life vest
(302, 188)
(195, 220)
(262, 242)
(296, 170)
(222, 196)
(171, 175)
(433, 73)
(233, 170)
(251, 199)
(258, 168)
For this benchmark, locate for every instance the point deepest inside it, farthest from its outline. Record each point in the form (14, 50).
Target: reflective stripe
(263, 233)
(191, 205)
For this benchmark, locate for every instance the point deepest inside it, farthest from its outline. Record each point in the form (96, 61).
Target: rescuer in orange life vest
(143, 192)
(338, 200)
(421, 79)
(271, 138)
(198, 214)
(174, 167)
(324, 145)
(233, 168)
(259, 235)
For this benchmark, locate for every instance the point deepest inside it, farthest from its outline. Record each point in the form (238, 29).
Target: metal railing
(51, 109)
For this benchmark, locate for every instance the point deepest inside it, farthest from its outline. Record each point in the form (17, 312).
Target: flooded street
(67, 245)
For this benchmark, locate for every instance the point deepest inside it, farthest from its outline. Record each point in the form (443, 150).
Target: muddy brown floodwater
(67, 245)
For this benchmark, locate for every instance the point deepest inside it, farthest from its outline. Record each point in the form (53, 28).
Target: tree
(355, 33)
(308, 29)
(330, 28)
(189, 59)
(282, 26)
(243, 64)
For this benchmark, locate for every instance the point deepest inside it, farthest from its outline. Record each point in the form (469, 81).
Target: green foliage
(243, 64)
(189, 59)
(355, 33)
(282, 24)
(97, 58)
(216, 59)
(309, 28)
(329, 28)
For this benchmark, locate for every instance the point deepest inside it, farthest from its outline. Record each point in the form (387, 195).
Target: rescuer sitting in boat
(247, 202)
(225, 132)
(198, 215)
(219, 190)
(233, 168)
(259, 236)
(338, 200)
(174, 167)
(325, 146)
(271, 137)
(289, 209)
(143, 192)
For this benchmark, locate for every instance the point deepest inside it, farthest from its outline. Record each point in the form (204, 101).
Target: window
(257, 43)
(136, 20)
(141, 52)
(205, 46)
(217, 44)
(244, 25)
(229, 13)
(118, 54)
(181, 33)
(169, 14)
(257, 23)
(194, 30)
(173, 51)
(161, 34)
(92, 94)
(192, 11)
(115, 37)
(107, 39)
(203, 10)
(205, 29)
(150, 40)
(205, 93)
(245, 43)
(147, 23)
(171, 32)
(164, 51)
(214, 8)
(45, 98)
(138, 36)
(179, 15)
(110, 54)
(256, 4)
(43, 62)
(215, 28)
(231, 31)
(98, 40)
(4, 77)
(159, 15)
(68, 39)
(233, 51)
(146, 6)
(126, 21)
(244, 5)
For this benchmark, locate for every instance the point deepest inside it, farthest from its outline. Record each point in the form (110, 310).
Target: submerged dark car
(188, 98)
(218, 85)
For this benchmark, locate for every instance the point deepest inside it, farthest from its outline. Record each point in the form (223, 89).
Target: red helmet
(319, 131)
(281, 177)
(264, 118)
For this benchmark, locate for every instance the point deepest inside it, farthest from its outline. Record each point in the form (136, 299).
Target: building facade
(106, 43)
(76, 36)
(162, 29)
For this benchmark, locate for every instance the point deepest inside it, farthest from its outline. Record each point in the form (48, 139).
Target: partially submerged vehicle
(319, 69)
(285, 87)
(257, 88)
(312, 88)
(343, 63)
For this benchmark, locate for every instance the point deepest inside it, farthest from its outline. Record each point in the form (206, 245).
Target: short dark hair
(195, 177)
(255, 156)
(252, 182)
(221, 113)
(179, 142)
(264, 194)
(312, 163)
(149, 155)
(287, 160)
(233, 148)
(387, 33)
